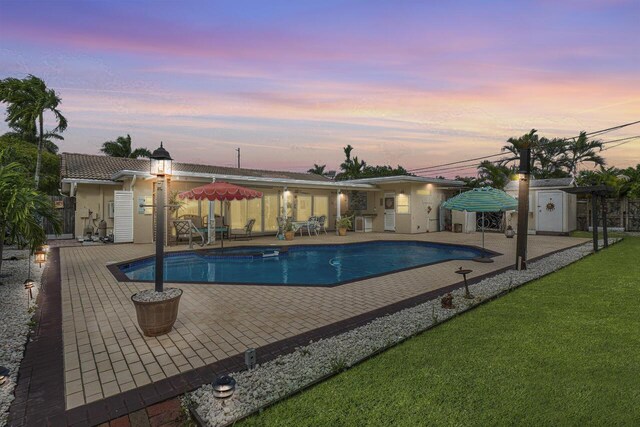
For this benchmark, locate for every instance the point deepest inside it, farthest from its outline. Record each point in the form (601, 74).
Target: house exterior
(109, 191)
(551, 210)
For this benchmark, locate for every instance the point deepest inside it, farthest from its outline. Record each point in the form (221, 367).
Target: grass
(563, 350)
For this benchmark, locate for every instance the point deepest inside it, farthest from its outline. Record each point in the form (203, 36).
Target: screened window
(321, 205)
(402, 204)
(303, 211)
(271, 212)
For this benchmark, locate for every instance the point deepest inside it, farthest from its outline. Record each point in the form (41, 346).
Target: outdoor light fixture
(28, 286)
(4, 374)
(160, 167)
(41, 257)
(161, 162)
(223, 387)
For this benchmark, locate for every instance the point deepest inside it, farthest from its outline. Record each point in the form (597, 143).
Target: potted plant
(343, 224)
(288, 230)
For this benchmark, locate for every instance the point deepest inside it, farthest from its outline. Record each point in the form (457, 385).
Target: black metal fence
(621, 213)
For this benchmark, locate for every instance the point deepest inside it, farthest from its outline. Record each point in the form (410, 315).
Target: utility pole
(523, 209)
(238, 150)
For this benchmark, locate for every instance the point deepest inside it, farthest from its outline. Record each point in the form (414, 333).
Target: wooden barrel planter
(157, 317)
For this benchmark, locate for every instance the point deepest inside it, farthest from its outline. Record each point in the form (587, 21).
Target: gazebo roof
(597, 190)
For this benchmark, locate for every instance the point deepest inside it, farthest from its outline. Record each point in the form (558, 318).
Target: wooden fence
(66, 208)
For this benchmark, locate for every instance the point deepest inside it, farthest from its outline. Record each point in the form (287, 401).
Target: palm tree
(28, 100)
(494, 175)
(121, 147)
(582, 150)
(23, 207)
(317, 169)
(351, 168)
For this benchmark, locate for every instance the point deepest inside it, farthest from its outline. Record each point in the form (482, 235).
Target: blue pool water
(310, 265)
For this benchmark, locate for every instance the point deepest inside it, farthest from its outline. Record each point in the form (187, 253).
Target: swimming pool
(300, 265)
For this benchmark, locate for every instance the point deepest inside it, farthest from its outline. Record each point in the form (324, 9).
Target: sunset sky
(411, 83)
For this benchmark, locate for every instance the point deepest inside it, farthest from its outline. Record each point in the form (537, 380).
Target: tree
(121, 147)
(493, 174)
(354, 168)
(317, 169)
(28, 99)
(22, 207)
(582, 150)
(18, 150)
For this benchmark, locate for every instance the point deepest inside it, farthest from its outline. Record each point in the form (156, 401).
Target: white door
(123, 216)
(550, 211)
(390, 212)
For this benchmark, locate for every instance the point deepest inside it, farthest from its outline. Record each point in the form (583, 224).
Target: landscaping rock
(14, 319)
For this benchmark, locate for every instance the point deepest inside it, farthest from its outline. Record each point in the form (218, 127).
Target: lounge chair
(244, 232)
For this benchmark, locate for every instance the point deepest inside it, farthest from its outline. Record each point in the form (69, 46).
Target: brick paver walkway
(106, 359)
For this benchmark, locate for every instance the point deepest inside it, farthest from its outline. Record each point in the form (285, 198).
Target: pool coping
(120, 276)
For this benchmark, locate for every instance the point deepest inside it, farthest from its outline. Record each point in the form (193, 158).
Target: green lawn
(564, 350)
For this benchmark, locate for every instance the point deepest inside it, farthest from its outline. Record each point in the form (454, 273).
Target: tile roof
(90, 166)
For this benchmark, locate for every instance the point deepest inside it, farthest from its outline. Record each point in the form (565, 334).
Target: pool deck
(108, 368)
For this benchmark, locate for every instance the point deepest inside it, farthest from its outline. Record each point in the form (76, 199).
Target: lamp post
(161, 166)
(523, 209)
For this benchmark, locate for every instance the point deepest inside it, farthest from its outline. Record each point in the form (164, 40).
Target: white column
(338, 193)
(212, 219)
(284, 202)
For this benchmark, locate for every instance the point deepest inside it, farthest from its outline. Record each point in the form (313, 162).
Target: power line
(459, 168)
(597, 132)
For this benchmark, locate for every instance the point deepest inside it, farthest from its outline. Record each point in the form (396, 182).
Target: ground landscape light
(41, 257)
(223, 387)
(4, 374)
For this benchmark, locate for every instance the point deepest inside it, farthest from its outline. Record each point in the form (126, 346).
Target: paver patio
(105, 354)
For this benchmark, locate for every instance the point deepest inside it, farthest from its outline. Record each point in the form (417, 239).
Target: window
(271, 212)
(402, 204)
(321, 205)
(238, 212)
(303, 211)
(254, 211)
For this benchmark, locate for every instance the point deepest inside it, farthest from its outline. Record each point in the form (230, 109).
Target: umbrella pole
(483, 257)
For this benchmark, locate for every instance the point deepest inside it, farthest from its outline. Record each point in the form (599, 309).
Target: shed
(551, 210)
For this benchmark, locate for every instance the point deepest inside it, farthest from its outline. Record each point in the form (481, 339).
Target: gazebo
(601, 192)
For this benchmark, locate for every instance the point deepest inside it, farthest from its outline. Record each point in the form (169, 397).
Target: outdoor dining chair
(322, 223)
(312, 225)
(244, 232)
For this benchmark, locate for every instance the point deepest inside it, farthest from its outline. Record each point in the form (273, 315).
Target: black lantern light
(161, 162)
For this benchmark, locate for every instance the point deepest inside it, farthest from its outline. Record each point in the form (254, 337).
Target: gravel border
(307, 365)
(14, 319)
(150, 295)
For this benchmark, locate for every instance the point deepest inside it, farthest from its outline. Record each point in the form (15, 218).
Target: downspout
(133, 182)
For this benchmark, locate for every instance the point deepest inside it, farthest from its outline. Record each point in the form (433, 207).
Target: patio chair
(245, 231)
(281, 224)
(322, 223)
(312, 225)
(186, 229)
(195, 219)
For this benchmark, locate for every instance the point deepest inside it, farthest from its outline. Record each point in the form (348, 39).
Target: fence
(66, 208)
(621, 213)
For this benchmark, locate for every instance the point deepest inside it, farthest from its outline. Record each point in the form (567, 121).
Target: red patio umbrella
(221, 191)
